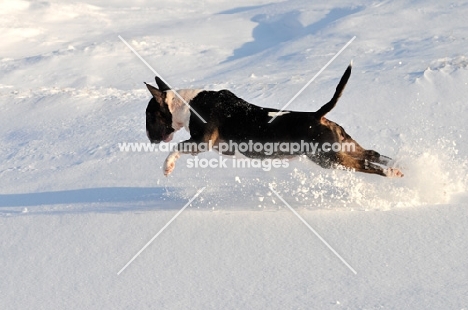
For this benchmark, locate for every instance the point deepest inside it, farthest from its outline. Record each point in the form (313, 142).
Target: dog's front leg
(169, 163)
(185, 147)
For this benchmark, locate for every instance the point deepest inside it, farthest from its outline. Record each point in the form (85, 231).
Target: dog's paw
(169, 166)
(169, 163)
(393, 173)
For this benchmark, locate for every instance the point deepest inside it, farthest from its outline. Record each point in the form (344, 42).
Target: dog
(229, 118)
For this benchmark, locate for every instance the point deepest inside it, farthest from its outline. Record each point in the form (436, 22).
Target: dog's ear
(162, 86)
(158, 95)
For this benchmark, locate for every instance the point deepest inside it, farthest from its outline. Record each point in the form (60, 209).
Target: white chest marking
(179, 109)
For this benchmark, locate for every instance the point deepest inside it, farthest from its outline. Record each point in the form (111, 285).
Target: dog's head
(158, 116)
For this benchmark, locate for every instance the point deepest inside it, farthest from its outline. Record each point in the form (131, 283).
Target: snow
(74, 209)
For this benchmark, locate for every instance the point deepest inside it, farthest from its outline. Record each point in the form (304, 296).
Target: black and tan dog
(229, 118)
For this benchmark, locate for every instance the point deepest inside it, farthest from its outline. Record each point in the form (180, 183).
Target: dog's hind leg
(335, 160)
(375, 157)
(366, 166)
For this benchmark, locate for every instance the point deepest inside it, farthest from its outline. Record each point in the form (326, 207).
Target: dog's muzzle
(164, 138)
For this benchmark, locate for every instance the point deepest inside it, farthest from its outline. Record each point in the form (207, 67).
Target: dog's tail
(327, 107)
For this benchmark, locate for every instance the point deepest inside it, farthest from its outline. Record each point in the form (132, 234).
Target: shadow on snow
(277, 29)
(149, 197)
